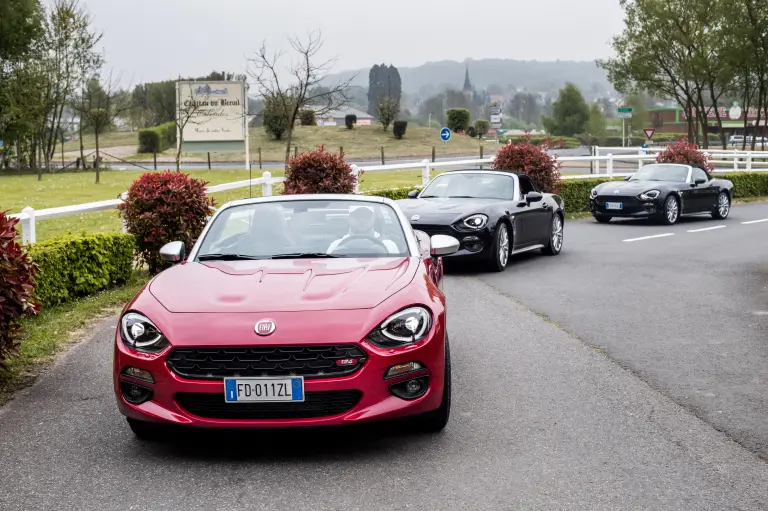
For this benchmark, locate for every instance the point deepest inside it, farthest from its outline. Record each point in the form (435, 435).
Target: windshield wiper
(228, 257)
(304, 255)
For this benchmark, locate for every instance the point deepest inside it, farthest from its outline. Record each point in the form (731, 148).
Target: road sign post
(623, 113)
(445, 135)
(649, 132)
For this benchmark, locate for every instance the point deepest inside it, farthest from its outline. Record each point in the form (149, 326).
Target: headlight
(475, 221)
(650, 194)
(140, 333)
(405, 327)
(593, 193)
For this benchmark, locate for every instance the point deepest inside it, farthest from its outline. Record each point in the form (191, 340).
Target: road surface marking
(708, 228)
(755, 221)
(650, 237)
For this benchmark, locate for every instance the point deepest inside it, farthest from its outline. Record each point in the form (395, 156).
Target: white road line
(708, 228)
(650, 237)
(755, 221)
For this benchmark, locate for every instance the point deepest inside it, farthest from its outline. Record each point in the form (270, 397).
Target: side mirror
(413, 194)
(172, 252)
(627, 178)
(700, 181)
(443, 245)
(533, 197)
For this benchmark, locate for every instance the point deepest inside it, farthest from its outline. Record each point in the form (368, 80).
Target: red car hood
(282, 285)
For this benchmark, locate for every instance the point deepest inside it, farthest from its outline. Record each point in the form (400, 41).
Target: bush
(481, 127)
(318, 171)
(457, 119)
(17, 279)
(350, 120)
(471, 132)
(747, 184)
(307, 118)
(161, 207)
(158, 138)
(75, 266)
(398, 129)
(393, 193)
(526, 158)
(275, 115)
(683, 152)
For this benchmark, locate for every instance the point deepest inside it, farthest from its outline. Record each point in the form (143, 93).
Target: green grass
(361, 142)
(53, 329)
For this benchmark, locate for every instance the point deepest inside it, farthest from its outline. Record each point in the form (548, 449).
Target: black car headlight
(404, 327)
(649, 195)
(477, 221)
(138, 332)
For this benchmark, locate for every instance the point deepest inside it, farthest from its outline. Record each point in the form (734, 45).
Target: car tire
(556, 226)
(147, 431)
(499, 254)
(722, 207)
(603, 219)
(671, 213)
(436, 420)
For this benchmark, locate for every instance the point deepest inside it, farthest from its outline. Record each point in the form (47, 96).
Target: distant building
(336, 117)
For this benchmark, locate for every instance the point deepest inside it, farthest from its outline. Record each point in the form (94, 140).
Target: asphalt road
(685, 308)
(540, 421)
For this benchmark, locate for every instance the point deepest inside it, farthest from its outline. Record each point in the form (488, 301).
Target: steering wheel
(355, 237)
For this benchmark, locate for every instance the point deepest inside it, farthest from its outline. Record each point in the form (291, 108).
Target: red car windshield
(311, 228)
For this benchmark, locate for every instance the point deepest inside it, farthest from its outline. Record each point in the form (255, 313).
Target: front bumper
(473, 245)
(632, 207)
(366, 394)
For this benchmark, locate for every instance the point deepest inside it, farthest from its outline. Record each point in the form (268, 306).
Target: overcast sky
(149, 40)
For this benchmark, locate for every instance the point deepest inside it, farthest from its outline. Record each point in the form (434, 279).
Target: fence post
(209, 160)
(425, 168)
(356, 173)
(640, 152)
(382, 155)
(295, 151)
(749, 162)
(259, 157)
(597, 162)
(433, 153)
(609, 165)
(154, 156)
(266, 185)
(28, 234)
(481, 156)
(124, 196)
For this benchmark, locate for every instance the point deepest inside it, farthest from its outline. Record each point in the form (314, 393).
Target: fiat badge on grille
(265, 327)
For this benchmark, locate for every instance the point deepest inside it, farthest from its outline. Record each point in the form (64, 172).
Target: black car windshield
(299, 229)
(470, 185)
(661, 172)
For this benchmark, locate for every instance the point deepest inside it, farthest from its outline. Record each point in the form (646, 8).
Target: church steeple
(467, 84)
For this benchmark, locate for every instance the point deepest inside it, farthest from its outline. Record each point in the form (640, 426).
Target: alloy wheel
(503, 245)
(672, 210)
(723, 205)
(557, 233)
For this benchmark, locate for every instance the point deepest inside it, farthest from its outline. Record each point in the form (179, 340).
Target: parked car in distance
(493, 214)
(662, 191)
(300, 310)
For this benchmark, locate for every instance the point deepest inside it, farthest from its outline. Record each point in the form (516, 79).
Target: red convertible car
(302, 310)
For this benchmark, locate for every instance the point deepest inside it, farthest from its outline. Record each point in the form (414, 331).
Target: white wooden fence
(740, 161)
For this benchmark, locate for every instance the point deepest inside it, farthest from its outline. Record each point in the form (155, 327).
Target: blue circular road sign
(445, 134)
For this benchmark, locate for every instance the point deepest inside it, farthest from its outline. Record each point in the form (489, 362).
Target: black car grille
(627, 200)
(315, 404)
(307, 361)
(432, 230)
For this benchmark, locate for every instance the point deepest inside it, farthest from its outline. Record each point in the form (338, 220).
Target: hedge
(568, 142)
(575, 192)
(74, 266)
(158, 138)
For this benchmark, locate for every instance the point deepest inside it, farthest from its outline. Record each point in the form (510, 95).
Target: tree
(596, 124)
(569, 113)
(99, 104)
(383, 81)
(275, 116)
(299, 93)
(386, 111)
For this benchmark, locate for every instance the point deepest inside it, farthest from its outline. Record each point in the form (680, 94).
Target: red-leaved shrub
(685, 153)
(319, 171)
(534, 161)
(161, 207)
(17, 273)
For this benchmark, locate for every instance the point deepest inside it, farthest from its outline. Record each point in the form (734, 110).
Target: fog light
(411, 389)
(400, 369)
(135, 394)
(139, 374)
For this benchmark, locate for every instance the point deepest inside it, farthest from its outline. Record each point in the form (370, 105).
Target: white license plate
(238, 390)
(613, 205)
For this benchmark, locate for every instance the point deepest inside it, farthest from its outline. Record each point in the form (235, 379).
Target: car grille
(307, 361)
(627, 200)
(432, 230)
(315, 404)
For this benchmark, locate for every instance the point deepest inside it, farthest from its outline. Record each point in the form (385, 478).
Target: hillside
(531, 75)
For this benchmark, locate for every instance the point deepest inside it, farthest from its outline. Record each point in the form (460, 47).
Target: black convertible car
(493, 215)
(662, 191)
